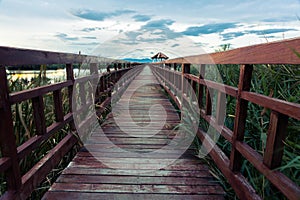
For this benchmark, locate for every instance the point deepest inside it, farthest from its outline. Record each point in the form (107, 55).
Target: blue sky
(140, 28)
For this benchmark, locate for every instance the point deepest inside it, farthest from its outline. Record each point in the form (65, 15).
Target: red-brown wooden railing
(18, 186)
(284, 52)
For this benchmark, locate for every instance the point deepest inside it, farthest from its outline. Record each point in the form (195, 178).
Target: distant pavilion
(159, 57)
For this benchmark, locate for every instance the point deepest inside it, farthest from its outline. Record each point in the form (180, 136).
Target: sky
(140, 28)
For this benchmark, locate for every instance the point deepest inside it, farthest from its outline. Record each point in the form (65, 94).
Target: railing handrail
(41, 57)
(255, 54)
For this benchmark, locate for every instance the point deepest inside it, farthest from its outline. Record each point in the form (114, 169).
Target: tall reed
(278, 81)
(24, 129)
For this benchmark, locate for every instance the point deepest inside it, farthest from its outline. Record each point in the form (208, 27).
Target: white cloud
(150, 24)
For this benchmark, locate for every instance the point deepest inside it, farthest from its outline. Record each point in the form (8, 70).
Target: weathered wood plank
(67, 195)
(185, 177)
(240, 116)
(284, 107)
(256, 54)
(133, 172)
(152, 189)
(34, 57)
(145, 180)
(17, 97)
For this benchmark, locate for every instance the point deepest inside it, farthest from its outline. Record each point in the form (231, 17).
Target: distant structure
(159, 57)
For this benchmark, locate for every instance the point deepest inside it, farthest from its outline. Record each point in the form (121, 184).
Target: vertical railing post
(108, 68)
(240, 116)
(7, 136)
(186, 69)
(221, 108)
(58, 107)
(200, 86)
(95, 81)
(39, 115)
(275, 140)
(194, 86)
(208, 101)
(120, 65)
(70, 77)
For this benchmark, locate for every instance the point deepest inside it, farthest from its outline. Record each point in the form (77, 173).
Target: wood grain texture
(89, 177)
(256, 54)
(34, 57)
(240, 116)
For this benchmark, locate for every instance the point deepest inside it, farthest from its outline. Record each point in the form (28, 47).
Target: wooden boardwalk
(120, 165)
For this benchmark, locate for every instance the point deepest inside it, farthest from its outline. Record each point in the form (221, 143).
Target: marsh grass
(24, 129)
(278, 81)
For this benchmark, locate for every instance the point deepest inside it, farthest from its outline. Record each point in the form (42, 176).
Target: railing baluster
(58, 107)
(201, 87)
(221, 108)
(276, 135)
(240, 116)
(70, 77)
(186, 68)
(7, 136)
(208, 101)
(94, 82)
(39, 115)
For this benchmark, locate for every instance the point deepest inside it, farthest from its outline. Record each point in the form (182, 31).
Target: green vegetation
(278, 81)
(24, 129)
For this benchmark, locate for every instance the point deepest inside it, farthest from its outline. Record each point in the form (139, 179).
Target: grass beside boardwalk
(278, 81)
(24, 129)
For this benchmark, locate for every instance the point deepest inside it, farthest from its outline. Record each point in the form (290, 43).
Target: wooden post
(7, 136)
(240, 116)
(108, 68)
(70, 77)
(208, 101)
(58, 107)
(201, 87)
(221, 108)
(276, 135)
(39, 115)
(186, 69)
(175, 66)
(120, 65)
(95, 81)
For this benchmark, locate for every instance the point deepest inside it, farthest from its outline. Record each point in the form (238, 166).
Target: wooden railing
(284, 52)
(21, 186)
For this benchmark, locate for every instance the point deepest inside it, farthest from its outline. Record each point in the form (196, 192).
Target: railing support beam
(240, 116)
(7, 136)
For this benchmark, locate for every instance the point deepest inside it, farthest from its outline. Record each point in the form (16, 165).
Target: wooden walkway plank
(132, 170)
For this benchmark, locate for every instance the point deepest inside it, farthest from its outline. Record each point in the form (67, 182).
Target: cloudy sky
(140, 28)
